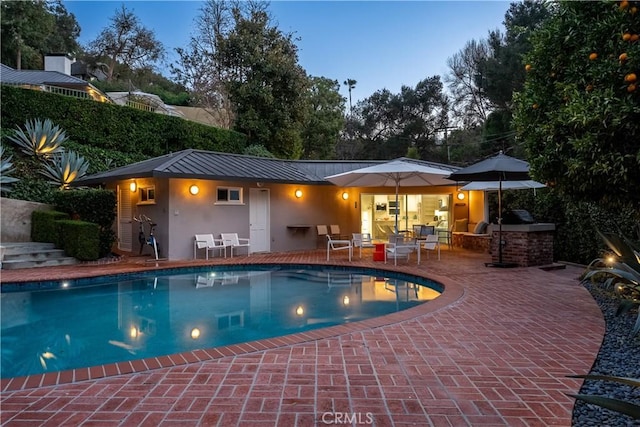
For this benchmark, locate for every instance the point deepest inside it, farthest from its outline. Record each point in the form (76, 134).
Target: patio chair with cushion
(322, 232)
(334, 230)
(398, 247)
(338, 245)
(234, 242)
(362, 240)
(209, 244)
(432, 243)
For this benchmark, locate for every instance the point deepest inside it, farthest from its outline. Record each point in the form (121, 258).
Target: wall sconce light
(346, 300)
(133, 332)
(298, 193)
(194, 189)
(195, 333)
(345, 195)
(460, 196)
(299, 310)
(133, 186)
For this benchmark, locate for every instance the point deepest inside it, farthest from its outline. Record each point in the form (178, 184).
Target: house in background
(275, 203)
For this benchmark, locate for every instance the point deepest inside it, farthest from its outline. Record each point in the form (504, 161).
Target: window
(147, 195)
(229, 195)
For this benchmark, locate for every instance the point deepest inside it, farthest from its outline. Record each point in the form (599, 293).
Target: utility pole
(446, 140)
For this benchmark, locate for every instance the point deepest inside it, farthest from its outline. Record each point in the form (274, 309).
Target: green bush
(44, 227)
(93, 205)
(114, 127)
(80, 239)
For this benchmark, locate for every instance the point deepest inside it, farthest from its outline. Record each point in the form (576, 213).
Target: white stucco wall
(15, 219)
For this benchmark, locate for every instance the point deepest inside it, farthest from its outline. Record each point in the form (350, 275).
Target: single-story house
(275, 203)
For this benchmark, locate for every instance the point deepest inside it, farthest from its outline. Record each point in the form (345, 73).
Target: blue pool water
(56, 326)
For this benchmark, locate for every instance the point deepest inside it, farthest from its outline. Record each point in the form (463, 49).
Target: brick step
(16, 264)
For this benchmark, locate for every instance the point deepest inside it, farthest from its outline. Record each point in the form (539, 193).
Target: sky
(380, 44)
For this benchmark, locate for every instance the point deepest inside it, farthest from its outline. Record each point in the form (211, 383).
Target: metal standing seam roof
(37, 77)
(201, 164)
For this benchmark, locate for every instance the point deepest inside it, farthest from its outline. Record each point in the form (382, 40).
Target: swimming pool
(54, 326)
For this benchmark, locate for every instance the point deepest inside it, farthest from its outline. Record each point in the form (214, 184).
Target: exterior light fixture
(299, 310)
(194, 189)
(460, 196)
(346, 300)
(298, 193)
(195, 333)
(345, 195)
(133, 332)
(133, 186)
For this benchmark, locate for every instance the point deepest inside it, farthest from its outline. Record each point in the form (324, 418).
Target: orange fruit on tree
(623, 57)
(631, 88)
(634, 38)
(534, 106)
(626, 36)
(633, 10)
(630, 78)
(589, 88)
(593, 56)
(624, 4)
(527, 67)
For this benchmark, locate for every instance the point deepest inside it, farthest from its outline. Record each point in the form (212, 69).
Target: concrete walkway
(493, 350)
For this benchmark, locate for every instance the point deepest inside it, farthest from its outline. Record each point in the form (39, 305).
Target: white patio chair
(234, 242)
(398, 247)
(362, 240)
(338, 245)
(432, 243)
(209, 244)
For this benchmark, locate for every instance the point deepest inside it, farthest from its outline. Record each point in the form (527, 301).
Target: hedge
(44, 226)
(115, 127)
(80, 239)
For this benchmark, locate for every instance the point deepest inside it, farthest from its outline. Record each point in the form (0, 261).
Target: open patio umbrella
(395, 173)
(506, 185)
(499, 168)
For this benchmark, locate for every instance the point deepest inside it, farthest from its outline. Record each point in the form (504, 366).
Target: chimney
(60, 62)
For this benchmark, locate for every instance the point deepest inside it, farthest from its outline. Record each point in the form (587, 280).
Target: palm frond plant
(39, 138)
(6, 169)
(619, 271)
(65, 168)
(618, 405)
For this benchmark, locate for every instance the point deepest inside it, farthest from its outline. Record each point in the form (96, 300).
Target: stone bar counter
(524, 244)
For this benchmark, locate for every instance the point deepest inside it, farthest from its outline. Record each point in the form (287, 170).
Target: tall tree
(31, 29)
(265, 82)
(388, 124)
(350, 84)
(127, 42)
(579, 111)
(325, 119)
(465, 82)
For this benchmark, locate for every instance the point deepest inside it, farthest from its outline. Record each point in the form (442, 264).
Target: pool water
(64, 325)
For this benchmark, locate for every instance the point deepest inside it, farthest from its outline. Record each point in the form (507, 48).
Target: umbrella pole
(397, 206)
(500, 221)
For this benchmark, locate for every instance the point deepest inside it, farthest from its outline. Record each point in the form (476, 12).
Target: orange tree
(578, 113)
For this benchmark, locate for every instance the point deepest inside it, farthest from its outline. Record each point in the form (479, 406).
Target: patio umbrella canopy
(506, 185)
(499, 168)
(395, 173)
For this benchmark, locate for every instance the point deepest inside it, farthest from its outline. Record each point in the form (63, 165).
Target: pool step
(32, 255)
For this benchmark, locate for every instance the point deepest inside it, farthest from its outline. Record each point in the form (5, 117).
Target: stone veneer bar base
(526, 245)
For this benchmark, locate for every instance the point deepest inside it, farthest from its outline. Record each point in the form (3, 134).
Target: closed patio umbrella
(499, 168)
(395, 173)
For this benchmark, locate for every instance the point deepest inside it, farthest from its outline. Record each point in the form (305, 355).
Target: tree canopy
(578, 113)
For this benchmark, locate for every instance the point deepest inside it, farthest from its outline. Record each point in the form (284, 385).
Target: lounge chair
(234, 242)
(338, 245)
(209, 244)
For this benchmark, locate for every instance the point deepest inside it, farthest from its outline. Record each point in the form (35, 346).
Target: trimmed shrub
(92, 205)
(44, 227)
(115, 127)
(80, 239)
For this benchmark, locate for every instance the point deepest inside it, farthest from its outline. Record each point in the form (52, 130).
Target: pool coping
(452, 293)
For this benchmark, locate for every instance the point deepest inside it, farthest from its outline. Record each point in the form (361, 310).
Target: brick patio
(493, 350)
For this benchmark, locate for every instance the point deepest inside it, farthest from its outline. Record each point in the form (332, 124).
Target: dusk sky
(381, 44)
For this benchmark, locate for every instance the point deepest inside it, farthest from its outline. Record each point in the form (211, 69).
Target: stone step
(16, 264)
(12, 248)
(38, 255)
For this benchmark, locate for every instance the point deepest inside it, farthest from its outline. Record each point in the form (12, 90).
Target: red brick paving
(493, 350)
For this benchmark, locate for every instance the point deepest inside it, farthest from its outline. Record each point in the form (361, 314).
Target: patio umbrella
(499, 168)
(506, 185)
(395, 173)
